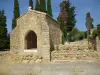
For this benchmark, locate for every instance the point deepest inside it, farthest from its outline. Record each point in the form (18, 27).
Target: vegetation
(94, 33)
(98, 30)
(42, 5)
(4, 42)
(89, 25)
(76, 35)
(66, 19)
(31, 3)
(16, 13)
(37, 7)
(49, 8)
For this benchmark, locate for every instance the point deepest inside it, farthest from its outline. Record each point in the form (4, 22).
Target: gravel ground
(68, 68)
(55, 68)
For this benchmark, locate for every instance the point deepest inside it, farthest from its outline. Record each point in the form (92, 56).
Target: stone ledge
(31, 50)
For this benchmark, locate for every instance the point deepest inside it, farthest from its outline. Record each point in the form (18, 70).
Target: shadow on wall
(94, 43)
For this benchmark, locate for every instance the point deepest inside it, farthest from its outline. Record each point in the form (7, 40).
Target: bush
(90, 46)
(95, 34)
(76, 35)
(98, 30)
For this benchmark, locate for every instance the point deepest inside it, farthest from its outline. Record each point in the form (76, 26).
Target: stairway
(75, 51)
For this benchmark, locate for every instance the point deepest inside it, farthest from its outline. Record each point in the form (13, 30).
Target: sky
(82, 7)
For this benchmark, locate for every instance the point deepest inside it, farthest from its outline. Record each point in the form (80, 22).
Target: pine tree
(3, 31)
(49, 8)
(42, 5)
(31, 3)
(89, 25)
(66, 18)
(16, 13)
(37, 7)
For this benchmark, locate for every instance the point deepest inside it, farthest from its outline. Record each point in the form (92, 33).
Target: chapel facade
(36, 32)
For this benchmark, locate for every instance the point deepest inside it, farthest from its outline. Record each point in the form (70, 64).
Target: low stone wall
(75, 51)
(80, 55)
(98, 44)
(15, 57)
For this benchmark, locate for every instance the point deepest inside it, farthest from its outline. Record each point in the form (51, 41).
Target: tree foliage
(37, 7)
(94, 34)
(4, 43)
(66, 18)
(89, 25)
(76, 35)
(42, 5)
(31, 3)
(89, 21)
(49, 8)
(16, 13)
(98, 30)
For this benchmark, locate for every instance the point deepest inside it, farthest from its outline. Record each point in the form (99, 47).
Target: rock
(38, 61)
(25, 61)
(32, 62)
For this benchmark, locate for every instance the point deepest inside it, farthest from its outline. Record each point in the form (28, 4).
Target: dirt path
(68, 68)
(63, 68)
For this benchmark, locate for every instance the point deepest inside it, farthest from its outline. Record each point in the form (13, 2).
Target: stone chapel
(36, 32)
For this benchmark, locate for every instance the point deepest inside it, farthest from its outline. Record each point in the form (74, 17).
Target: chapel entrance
(31, 40)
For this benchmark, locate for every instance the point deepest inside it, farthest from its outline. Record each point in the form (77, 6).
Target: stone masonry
(46, 29)
(98, 44)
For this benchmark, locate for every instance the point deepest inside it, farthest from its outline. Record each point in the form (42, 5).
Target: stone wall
(98, 44)
(55, 32)
(79, 50)
(46, 29)
(45, 40)
(30, 22)
(15, 57)
(15, 39)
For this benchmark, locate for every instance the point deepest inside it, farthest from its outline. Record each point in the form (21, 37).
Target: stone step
(74, 55)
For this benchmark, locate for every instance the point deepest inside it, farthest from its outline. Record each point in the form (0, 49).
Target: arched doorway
(31, 40)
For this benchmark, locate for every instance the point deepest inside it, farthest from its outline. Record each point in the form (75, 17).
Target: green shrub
(95, 33)
(76, 35)
(57, 47)
(90, 46)
(98, 30)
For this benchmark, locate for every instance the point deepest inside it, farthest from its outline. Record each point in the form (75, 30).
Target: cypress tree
(3, 31)
(37, 7)
(66, 18)
(16, 13)
(49, 8)
(31, 3)
(89, 25)
(42, 5)
(89, 21)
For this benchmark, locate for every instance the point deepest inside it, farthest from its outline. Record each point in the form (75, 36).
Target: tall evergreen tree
(66, 18)
(3, 31)
(89, 25)
(42, 5)
(49, 8)
(37, 7)
(89, 21)
(31, 3)
(16, 13)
